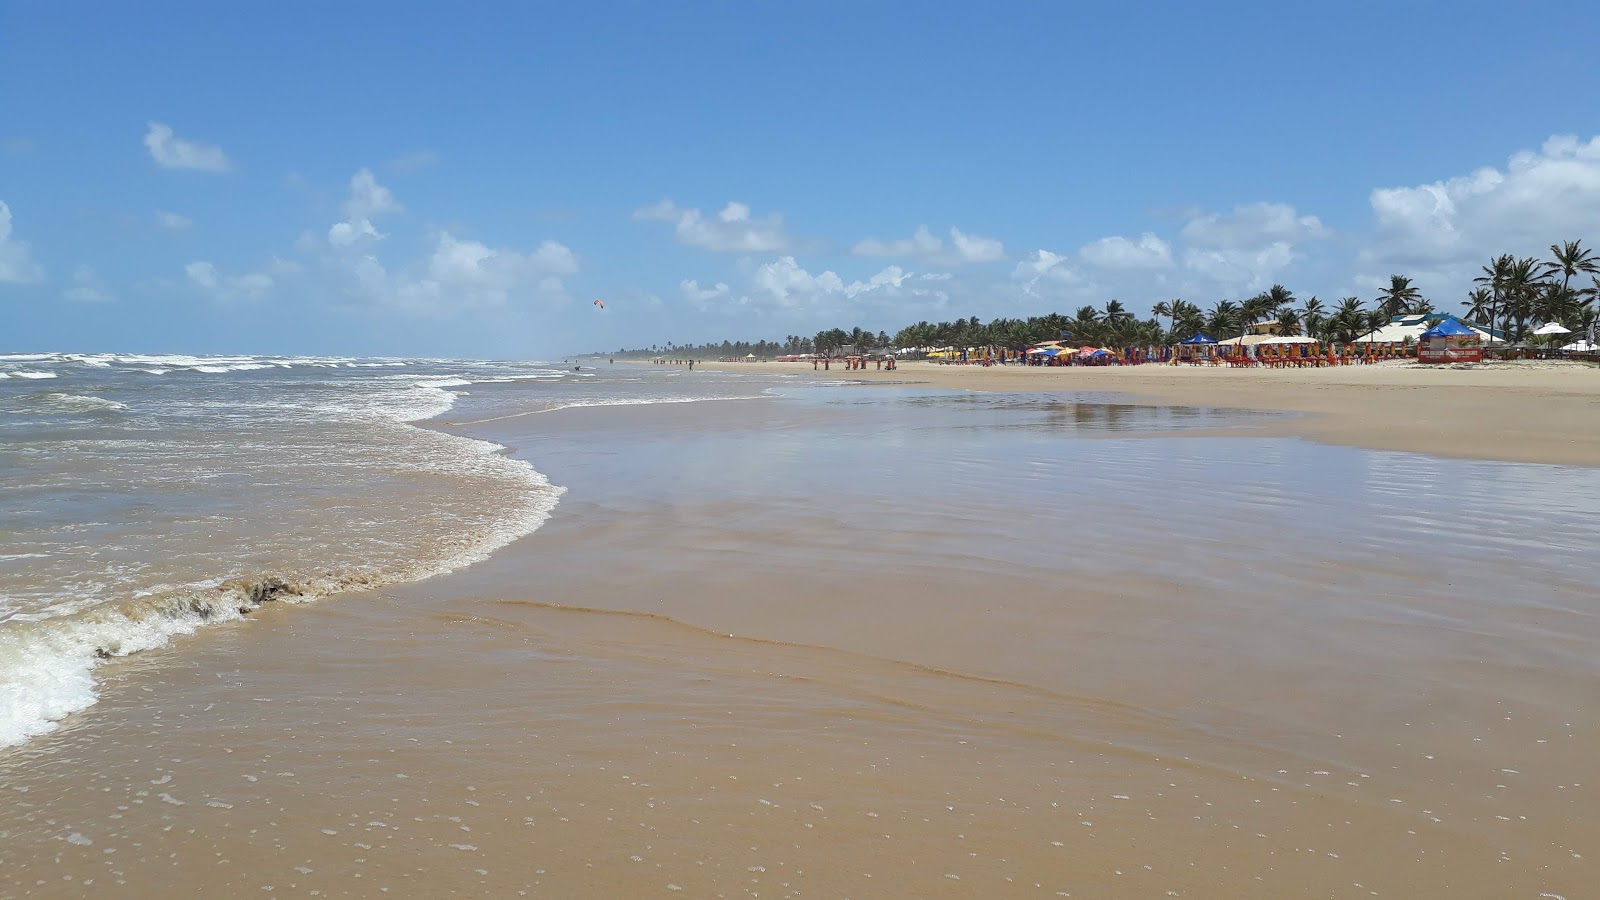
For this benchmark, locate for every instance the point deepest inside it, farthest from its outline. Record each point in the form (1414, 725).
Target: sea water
(142, 496)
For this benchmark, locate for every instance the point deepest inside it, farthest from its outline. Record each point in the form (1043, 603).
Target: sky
(465, 180)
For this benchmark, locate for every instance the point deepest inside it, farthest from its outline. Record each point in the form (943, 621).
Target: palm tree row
(1512, 294)
(1515, 292)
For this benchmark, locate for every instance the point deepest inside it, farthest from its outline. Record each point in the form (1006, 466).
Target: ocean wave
(71, 403)
(232, 367)
(27, 374)
(47, 665)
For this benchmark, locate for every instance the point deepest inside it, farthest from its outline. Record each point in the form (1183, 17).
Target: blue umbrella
(1199, 338)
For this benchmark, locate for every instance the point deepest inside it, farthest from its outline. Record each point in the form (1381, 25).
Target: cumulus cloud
(925, 245)
(16, 257)
(732, 230)
(227, 288)
(1252, 225)
(87, 287)
(1248, 248)
(173, 152)
(784, 286)
(367, 201)
(1043, 269)
(467, 275)
(1117, 252)
(173, 221)
(343, 234)
(703, 297)
(1542, 197)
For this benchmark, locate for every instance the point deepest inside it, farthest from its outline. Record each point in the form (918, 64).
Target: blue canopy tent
(1449, 342)
(1449, 328)
(1200, 339)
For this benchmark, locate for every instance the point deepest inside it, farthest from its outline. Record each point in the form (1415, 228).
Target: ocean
(143, 496)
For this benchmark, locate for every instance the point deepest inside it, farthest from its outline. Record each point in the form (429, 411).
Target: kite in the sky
(600, 303)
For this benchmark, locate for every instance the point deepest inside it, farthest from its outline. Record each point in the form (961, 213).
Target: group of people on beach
(856, 363)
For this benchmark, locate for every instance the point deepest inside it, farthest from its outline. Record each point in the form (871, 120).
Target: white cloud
(784, 286)
(732, 230)
(465, 275)
(173, 220)
(87, 287)
(368, 200)
(702, 297)
(172, 152)
(1542, 197)
(1252, 225)
(227, 288)
(787, 284)
(969, 248)
(1249, 248)
(343, 234)
(925, 245)
(1117, 252)
(1041, 267)
(16, 257)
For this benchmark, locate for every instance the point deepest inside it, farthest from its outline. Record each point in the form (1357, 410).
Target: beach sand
(863, 642)
(1523, 412)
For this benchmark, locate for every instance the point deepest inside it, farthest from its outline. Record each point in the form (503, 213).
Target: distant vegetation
(1513, 296)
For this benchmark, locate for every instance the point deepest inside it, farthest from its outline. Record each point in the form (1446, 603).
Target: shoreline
(1538, 414)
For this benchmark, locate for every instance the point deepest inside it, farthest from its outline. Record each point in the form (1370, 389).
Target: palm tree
(1313, 315)
(1224, 317)
(1569, 259)
(1164, 308)
(1494, 278)
(1479, 304)
(1289, 322)
(1277, 297)
(1186, 318)
(1522, 285)
(1349, 321)
(1116, 314)
(1399, 297)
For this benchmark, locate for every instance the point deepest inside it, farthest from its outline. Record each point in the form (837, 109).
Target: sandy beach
(1522, 412)
(861, 642)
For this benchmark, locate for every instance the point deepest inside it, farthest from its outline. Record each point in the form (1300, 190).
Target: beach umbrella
(1552, 328)
(1582, 347)
(1200, 337)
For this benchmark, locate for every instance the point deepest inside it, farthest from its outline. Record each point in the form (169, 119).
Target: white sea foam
(79, 403)
(47, 666)
(28, 374)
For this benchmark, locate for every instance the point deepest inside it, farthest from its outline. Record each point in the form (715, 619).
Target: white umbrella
(1582, 347)
(1552, 328)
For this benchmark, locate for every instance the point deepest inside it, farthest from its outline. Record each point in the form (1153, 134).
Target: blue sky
(464, 179)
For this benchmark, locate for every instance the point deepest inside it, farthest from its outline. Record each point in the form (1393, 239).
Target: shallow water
(885, 642)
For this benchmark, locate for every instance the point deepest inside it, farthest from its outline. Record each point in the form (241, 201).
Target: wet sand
(1522, 412)
(886, 643)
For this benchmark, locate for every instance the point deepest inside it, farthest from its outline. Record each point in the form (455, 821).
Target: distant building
(1412, 325)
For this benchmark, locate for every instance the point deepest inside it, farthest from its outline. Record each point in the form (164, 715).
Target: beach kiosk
(1449, 342)
(1196, 347)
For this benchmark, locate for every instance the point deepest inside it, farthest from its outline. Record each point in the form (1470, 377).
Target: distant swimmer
(577, 368)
